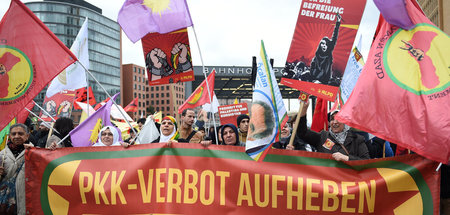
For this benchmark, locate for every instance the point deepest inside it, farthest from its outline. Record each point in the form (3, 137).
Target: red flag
(403, 93)
(320, 118)
(81, 96)
(30, 57)
(200, 95)
(23, 115)
(133, 106)
(99, 105)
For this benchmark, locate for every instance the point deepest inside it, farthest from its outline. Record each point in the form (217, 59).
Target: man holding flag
(339, 140)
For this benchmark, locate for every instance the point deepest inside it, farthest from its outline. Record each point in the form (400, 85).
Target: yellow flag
(235, 101)
(158, 116)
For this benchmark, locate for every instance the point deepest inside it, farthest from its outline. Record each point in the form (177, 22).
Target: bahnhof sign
(235, 82)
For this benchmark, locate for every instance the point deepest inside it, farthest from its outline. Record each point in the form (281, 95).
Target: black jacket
(354, 143)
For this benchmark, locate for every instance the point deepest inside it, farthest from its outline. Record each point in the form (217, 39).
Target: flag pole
(439, 166)
(46, 113)
(46, 123)
(207, 85)
(303, 98)
(87, 83)
(62, 139)
(108, 96)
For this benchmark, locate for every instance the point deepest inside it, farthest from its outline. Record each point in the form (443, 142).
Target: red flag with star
(200, 95)
(403, 93)
(30, 57)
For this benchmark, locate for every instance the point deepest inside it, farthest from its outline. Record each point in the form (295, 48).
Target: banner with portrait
(192, 179)
(59, 105)
(168, 57)
(321, 45)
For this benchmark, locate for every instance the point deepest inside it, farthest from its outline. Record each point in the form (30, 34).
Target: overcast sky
(229, 32)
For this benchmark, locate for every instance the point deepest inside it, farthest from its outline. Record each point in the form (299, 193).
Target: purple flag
(139, 17)
(394, 12)
(86, 133)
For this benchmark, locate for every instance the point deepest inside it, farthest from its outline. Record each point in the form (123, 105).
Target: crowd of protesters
(341, 141)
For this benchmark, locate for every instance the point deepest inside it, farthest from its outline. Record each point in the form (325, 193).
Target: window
(139, 96)
(157, 88)
(168, 101)
(152, 95)
(167, 87)
(146, 102)
(152, 102)
(157, 102)
(152, 89)
(134, 78)
(162, 102)
(157, 95)
(157, 108)
(162, 108)
(147, 95)
(162, 95)
(139, 87)
(134, 68)
(167, 94)
(134, 86)
(134, 95)
(140, 104)
(139, 79)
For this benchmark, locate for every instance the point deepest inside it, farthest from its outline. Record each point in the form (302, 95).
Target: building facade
(65, 18)
(438, 11)
(164, 98)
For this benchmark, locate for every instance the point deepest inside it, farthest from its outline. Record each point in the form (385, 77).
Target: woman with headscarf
(230, 135)
(339, 140)
(109, 136)
(168, 131)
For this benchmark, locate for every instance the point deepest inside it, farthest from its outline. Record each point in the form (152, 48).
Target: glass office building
(65, 18)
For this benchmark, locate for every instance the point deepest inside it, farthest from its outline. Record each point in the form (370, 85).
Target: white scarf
(164, 138)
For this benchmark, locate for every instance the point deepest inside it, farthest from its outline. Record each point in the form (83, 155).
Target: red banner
(189, 179)
(59, 105)
(168, 57)
(321, 45)
(228, 114)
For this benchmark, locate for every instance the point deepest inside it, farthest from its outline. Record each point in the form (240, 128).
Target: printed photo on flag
(267, 113)
(321, 45)
(168, 57)
(59, 105)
